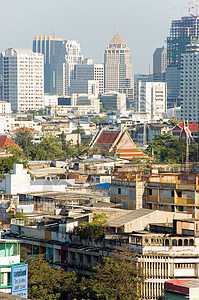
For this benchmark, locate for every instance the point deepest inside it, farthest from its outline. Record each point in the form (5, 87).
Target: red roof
(23, 129)
(5, 141)
(107, 137)
(179, 127)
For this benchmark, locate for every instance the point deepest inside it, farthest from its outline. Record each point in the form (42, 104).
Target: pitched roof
(5, 141)
(107, 137)
(117, 39)
(117, 142)
(23, 129)
(179, 127)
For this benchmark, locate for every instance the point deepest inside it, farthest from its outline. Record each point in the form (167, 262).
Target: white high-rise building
(73, 57)
(23, 79)
(190, 83)
(152, 99)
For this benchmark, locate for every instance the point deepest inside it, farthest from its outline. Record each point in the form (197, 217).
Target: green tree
(23, 139)
(169, 149)
(47, 283)
(95, 229)
(117, 278)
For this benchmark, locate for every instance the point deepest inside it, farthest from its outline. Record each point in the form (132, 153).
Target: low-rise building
(175, 192)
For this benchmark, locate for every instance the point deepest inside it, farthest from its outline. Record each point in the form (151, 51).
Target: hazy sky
(143, 24)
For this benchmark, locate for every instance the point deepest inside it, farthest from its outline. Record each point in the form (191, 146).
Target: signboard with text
(20, 280)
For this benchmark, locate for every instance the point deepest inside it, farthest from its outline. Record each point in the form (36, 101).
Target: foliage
(118, 277)
(81, 131)
(93, 230)
(99, 120)
(169, 149)
(47, 283)
(107, 108)
(173, 121)
(23, 139)
(6, 164)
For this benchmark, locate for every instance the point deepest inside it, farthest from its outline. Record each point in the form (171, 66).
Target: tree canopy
(167, 148)
(117, 277)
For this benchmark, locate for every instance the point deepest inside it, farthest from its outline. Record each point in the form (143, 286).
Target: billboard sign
(20, 280)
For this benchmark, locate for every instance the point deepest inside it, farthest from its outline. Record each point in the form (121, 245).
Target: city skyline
(143, 25)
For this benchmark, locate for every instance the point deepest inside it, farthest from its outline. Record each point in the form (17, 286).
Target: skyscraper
(159, 64)
(23, 79)
(190, 83)
(73, 57)
(53, 49)
(118, 67)
(182, 32)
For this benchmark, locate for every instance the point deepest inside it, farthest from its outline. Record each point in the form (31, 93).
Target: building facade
(182, 32)
(73, 57)
(23, 79)
(152, 99)
(118, 67)
(89, 71)
(53, 50)
(189, 83)
(159, 64)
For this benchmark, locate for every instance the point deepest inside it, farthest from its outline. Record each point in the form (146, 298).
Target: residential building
(158, 191)
(118, 67)
(73, 56)
(10, 122)
(89, 71)
(113, 100)
(5, 107)
(53, 49)
(23, 79)
(152, 98)
(189, 83)
(159, 64)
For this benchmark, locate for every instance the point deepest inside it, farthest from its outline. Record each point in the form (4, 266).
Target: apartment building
(23, 79)
(162, 191)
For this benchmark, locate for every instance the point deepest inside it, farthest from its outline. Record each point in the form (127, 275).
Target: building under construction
(181, 34)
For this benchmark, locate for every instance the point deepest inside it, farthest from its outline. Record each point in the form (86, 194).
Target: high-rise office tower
(89, 71)
(118, 67)
(23, 79)
(190, 83)
(159, 64)
(53, 49)
(181, 34)
(73, 57)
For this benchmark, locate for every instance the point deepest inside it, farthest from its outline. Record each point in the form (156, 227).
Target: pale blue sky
(143, 24)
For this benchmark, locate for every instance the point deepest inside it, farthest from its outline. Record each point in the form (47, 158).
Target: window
(179, 193)
(119, 191)
(180, 208)
(150, 192)
(172, 193)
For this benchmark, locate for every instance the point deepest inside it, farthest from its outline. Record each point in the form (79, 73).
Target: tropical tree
(118, 277)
